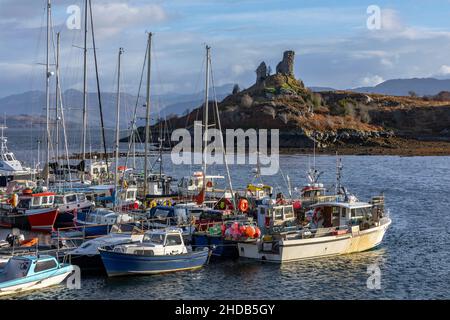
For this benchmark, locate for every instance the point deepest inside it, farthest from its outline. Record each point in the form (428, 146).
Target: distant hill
(403, 87)
(321, 89)
(29, 107)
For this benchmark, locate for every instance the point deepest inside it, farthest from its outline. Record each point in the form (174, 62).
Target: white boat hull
(302, 249)
(34, 285)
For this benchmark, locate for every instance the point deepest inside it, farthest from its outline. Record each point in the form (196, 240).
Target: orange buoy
(243, 205)
(29, 242)
(257, 232)
(27, 191)
(250, 231)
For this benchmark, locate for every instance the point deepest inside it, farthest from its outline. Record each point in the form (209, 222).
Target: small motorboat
(87, 256)
(160, 251)
(25, 273)
(100, 221)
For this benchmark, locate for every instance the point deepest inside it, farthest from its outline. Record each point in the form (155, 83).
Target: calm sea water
(414, 257)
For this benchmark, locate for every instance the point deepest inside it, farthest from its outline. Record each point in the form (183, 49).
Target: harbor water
(413, 260)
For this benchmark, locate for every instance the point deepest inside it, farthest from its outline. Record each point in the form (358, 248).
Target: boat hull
(34, 283)
(14, 221)
(42, 219)
(120, 264)
(302, 249)
(221, 248)
(91, 264)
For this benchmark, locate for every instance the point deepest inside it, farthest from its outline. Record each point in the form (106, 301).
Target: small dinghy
(160, 251)
(25, 273)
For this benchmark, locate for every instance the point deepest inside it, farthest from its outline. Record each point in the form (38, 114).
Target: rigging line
(102, 123)
(216, 106)
(133, 123)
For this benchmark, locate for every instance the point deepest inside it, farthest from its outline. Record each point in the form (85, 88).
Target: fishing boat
(33, 210)
(10, 167)
(339, 227)
(25, 273)
(100, 221)
(87, 256)
(160, 251)
(68, 204)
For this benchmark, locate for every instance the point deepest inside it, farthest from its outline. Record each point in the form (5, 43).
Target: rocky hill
(331, 118)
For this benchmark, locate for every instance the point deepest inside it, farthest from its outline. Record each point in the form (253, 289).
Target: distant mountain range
(402, 87)
(29, 107)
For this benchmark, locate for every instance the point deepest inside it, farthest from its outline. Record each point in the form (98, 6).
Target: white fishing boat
(336, 228)
(10, 167)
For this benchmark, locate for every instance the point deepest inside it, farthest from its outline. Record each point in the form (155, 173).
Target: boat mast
(98, 88)
(47, 92)
(205, 114)
(147, 112)
(83, 135)
(116, 170)
(57, 98)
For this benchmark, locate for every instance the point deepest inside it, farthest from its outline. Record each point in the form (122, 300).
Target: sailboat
(200, 185)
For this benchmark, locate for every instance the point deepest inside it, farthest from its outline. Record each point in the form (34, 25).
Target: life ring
(243, 205)
(315, 217)
(153, 204)
(167, 203)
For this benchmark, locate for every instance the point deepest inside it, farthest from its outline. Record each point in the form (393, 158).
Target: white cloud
(111, 18)
(444, 70)
(371, 80)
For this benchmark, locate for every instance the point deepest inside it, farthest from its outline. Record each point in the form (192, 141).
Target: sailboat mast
(116, 170)
(147, 112)
(205, 114)
(57, 98)
(83, 135)
(47, 92)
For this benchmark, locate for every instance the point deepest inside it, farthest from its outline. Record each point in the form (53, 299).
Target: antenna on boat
(339, 168)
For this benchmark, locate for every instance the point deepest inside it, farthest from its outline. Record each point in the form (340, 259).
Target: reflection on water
(413, 258)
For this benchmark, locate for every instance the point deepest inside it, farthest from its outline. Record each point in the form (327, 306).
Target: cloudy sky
(333, 44)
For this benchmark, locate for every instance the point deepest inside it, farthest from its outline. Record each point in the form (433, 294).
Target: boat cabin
(167, 215)
(29, 200)
(157, 243)
(336, 214)
(71, 201)
(272, 216)
(26, 266)
(259, 191)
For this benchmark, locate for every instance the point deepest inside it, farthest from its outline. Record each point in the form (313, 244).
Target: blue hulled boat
(160, 251)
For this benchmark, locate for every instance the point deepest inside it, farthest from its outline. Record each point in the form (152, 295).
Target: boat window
(278, 213)
(335, 212)
(161, 213)
(130, 194)
(8, 157)
(95, 170)
(85, 245)
(24, 203)
(81, 197)
(173, 240)
(288, 212)
(103, 170)
(71, 198)
(44, 200)
(155, 238)
(45, 265)
(59, 200)
(36, 201)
